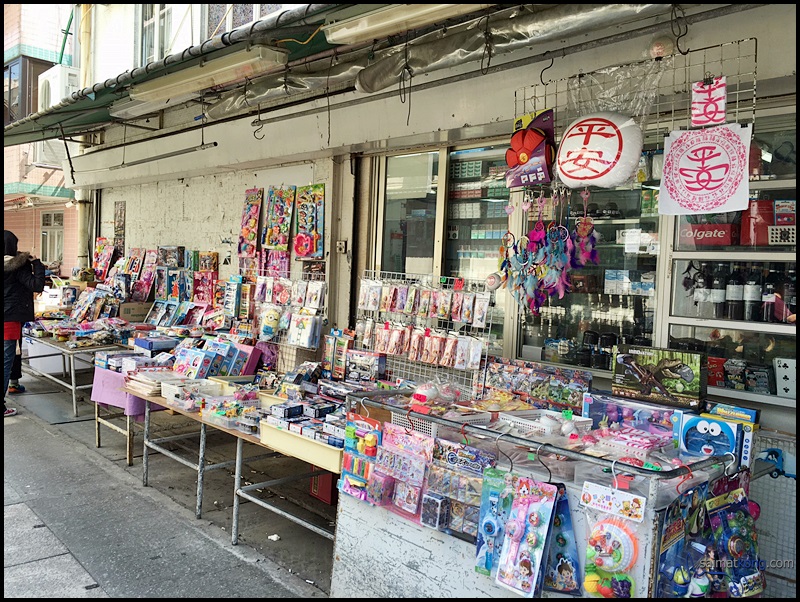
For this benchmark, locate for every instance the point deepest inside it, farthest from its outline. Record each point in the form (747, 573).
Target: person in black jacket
(23, 275)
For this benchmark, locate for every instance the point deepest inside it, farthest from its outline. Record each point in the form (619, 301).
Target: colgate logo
(701, 234)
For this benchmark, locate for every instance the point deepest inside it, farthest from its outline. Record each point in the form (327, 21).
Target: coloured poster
(708, 101)
(309, 239)
(277, 224)
(248, 236)
(706, 171)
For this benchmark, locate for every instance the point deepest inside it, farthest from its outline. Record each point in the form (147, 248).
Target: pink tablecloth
(107, 391)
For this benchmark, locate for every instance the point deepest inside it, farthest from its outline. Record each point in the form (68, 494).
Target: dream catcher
(584, 238)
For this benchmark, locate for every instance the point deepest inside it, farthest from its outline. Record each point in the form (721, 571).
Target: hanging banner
(705, 171)
(601, 149)
(708, 101)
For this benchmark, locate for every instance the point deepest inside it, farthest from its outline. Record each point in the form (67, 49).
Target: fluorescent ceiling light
(128, 108)
(175, 153)
(393, 19)
(251, 62)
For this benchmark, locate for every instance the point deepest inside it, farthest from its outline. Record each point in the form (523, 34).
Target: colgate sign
(708, 235)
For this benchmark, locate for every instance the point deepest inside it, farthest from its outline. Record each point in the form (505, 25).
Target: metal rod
(237, 479)
(312, 527)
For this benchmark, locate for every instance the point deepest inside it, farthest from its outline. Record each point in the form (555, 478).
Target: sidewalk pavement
(78, 522)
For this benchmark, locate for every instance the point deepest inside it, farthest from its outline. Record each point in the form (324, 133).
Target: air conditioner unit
(57, 83)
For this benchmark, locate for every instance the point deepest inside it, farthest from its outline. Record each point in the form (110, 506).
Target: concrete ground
(78, 521)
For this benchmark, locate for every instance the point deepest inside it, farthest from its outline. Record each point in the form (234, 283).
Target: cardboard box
(691, 236)
(134, 311)
(707, 435)
(668, 376)
(157, 343)
(363, 366)
(608, 410)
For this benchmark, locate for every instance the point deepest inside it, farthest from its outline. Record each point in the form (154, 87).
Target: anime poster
(309, 239)
(248, 236)
(278, 221)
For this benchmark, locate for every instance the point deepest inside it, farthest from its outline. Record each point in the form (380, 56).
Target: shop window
(227, 17)
(409, 213)
(52, 236)
(156, 32)
(21, 88)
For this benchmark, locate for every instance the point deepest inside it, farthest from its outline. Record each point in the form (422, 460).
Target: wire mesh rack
(662, 105)
(468, 381)
(777, 524)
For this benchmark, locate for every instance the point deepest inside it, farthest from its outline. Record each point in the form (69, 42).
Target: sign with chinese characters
(708, 102)
(705, 171)
(601, 149)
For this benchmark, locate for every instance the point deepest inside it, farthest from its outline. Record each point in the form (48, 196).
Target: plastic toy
(702, 436)
(612, 551)
(562, 564)
(783, 465)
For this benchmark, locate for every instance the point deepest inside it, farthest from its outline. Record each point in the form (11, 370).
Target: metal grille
(667, 102)
(777, 525)
(399, 366)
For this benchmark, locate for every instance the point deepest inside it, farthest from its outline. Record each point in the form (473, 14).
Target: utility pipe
(83, 196)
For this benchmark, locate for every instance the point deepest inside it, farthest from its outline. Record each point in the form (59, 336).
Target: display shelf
(765, 327)
(295, 445)
(781, 255)
(786, 402)
(774, 184)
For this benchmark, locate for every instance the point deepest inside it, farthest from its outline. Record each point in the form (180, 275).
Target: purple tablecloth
(107, 391)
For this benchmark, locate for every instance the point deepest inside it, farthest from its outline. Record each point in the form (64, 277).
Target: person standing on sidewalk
(23, 275)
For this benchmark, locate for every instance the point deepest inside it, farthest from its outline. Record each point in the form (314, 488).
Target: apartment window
(21, 88)
(156, 34)
(227, 17)
(52, 236)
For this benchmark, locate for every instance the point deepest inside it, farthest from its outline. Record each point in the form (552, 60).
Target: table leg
(74, 385)
(63, 366)
(97, 425)
(146, 440)
(201, 468)
(129, 446)
(236, 482)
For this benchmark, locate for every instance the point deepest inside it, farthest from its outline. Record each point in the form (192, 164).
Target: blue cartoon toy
(703, 436)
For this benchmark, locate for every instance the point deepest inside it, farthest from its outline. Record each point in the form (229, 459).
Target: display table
(108, 392)
(303, 446)
(69, 358)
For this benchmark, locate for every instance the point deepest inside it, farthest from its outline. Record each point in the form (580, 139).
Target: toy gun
(645, 378)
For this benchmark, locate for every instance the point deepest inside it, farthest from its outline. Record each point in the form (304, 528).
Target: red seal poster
(705, 171)
(709, 101)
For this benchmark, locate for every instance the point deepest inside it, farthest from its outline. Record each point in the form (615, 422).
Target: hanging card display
(562, 570)
(309, 238)
(278, 221)
(277, 263)
(248, 235)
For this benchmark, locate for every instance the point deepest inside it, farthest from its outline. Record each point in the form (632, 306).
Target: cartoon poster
(277, 224)
(309, 240)
(248, 236)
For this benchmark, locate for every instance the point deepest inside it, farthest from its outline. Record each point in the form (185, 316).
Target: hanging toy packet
(523, 549)
(562, 570)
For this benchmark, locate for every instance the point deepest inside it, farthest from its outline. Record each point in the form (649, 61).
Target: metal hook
(547, 468)
(733, 461)
(497, 445)
(464, 434)
(613, 474)
(541, 75)
(679, 27)
(260, 126)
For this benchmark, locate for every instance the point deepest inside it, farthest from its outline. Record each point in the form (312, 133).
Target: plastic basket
(426, 427)
(525, 422)
(179, 389)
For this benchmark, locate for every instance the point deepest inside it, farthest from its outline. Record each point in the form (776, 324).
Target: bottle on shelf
(734, 294)
(719, 279)
(771, 284)
(752, 293)
(702, 293)
(788, 292)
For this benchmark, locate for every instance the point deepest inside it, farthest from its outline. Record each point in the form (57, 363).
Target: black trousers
(16, 368)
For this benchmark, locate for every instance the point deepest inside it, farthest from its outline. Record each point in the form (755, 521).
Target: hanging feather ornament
(584, 238)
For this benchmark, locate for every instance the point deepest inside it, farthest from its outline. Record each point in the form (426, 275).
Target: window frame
(54, 231)
(162, 42)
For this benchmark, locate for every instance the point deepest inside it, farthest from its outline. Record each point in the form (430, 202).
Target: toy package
(736, 543)
(562, 569)
(405, 456)
(676, 378)
(144, 284)
(171, 256)
(362, 437)
(456, 475)
(497, 497)
(278, 220)
(309, 238)
(248, 234)
(704, 435)
(607, 410)
(520, 563)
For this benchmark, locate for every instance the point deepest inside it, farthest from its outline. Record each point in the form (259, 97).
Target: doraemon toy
(704, 436)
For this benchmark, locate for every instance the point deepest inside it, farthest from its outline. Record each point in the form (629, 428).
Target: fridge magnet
(248, 235)
(309, 239)
(280, 204)
(708, 101)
